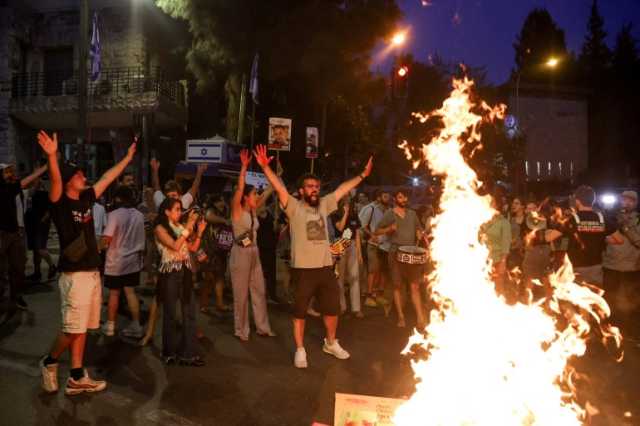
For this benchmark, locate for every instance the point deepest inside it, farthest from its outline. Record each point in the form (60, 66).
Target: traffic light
(401, 81)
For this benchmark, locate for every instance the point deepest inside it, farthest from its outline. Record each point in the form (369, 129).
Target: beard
(402, 204)
(313, 200)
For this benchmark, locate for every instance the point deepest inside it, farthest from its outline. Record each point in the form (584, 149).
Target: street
(250, 383)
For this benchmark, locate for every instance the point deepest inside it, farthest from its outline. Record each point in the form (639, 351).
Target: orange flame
(489, 363)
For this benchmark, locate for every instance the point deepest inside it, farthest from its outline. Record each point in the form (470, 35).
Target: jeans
(172, 290)
(349, 270)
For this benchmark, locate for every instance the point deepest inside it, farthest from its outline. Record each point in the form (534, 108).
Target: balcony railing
(113, 82)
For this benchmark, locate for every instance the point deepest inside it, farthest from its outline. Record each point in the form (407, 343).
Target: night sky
(482, 32)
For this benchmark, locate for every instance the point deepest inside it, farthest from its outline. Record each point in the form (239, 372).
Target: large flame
(489, 362)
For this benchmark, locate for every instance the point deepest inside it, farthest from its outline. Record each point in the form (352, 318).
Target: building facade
(132, 95)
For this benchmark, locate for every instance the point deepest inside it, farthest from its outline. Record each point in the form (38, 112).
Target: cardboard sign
(362, 410)
(311, 149)
(203, 151)
(279, 134)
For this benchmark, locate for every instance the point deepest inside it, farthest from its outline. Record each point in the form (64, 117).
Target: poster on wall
(279, 134)
(311, 149)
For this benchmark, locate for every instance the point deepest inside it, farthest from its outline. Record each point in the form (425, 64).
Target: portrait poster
(311, 149)
(279, 134)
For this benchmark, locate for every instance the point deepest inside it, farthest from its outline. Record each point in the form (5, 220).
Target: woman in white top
(244, 263)
(174, 244)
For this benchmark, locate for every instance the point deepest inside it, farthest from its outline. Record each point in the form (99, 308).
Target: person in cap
(79, 281)
(621, 264)
(12, 238)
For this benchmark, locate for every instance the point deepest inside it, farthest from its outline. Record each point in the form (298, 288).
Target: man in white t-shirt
(124, 238)
(172, 189)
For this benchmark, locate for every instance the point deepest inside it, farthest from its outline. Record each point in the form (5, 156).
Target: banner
(363, 410)
(311, 150)
(279, 134)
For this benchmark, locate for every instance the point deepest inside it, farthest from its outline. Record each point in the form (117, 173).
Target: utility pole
(83, 53)
(243, 108)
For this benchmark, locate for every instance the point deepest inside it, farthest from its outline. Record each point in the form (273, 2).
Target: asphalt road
(246, 384)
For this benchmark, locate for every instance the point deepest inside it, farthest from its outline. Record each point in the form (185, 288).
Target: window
(526, 167)
(538, 167)
(58, 68)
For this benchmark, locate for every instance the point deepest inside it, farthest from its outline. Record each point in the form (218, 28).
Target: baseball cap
(68, 170)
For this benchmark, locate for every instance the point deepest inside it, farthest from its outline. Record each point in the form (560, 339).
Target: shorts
(404, 273)
(320, 283)
(80, 297)
(116, 282)
(374, 259)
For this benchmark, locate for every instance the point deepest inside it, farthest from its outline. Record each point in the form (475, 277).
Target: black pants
(268, 261)
(13, 254)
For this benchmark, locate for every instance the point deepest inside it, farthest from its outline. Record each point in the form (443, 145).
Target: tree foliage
(318, 50)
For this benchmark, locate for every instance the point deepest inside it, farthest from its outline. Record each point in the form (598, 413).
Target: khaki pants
(247, 278)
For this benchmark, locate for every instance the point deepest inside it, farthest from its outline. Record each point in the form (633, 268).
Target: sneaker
(335, 349)
(49, 376)
(21, 303)
(381, 300)
(370, 302)
(86, 384)
(108, 329)
(300, 360)
(133, 330)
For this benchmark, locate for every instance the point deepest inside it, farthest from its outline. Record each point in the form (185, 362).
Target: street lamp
(552, 62)
(399, 38)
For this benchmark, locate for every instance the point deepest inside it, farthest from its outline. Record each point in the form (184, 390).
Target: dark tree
(595, 56)
(626, 63)
(539, 39)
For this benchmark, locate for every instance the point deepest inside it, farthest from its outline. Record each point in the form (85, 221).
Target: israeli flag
(253, 86)
(94, 51)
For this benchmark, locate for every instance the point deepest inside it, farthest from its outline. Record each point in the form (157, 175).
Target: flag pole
(312, 163)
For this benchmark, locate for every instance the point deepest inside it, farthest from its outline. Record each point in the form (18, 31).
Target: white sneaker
(86, 384)
(312, 312)
(335, 349)
(300, 360)
(49, 376)
(108, 329)
(133, 330)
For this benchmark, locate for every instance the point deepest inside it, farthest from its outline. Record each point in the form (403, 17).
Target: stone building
(39, 62)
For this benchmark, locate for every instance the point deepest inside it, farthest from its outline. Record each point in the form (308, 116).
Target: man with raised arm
(79, 282)
(12, 240)
(311, 261)
(172, 188)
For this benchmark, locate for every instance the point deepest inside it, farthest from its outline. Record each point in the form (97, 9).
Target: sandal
(267, 334)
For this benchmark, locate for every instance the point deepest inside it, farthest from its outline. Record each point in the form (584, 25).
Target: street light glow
(403, 71)
(399, 38)
(552, 62)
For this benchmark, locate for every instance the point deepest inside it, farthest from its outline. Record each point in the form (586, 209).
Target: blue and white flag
(94, 50)
(253, 85)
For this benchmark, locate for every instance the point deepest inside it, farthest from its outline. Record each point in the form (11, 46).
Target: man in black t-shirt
(587, 231)
(79, 282)
(12, 238)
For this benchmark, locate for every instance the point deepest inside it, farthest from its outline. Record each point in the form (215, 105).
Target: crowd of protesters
(344, 252)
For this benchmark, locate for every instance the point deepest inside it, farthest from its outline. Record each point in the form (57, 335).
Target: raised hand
(193, 216)
(202, 168)
(245, 158)
(261, 155)
(49, 145)
(368, 167)
(132, 149)
(155, 164)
